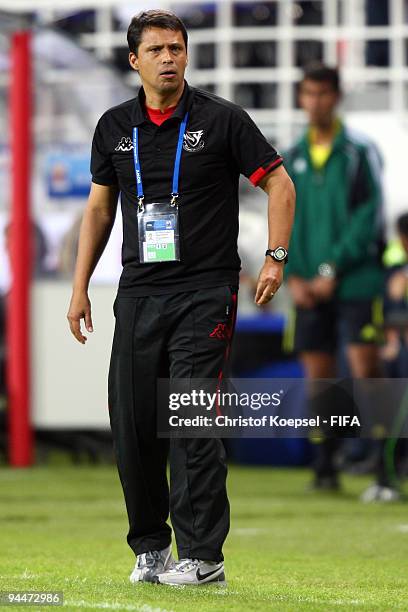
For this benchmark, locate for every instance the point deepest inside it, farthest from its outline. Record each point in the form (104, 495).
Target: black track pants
(182, 335)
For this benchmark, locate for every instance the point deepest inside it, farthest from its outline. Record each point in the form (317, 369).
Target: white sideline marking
(402, 528)
(76, 579)
(114, 606)
(347, 602)
(332, 602)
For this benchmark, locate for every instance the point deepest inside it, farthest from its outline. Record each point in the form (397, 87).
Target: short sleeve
(102, 169)
(253, 155)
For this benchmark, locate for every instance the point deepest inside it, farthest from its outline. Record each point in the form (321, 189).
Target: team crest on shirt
(192, 141)
(124, 144)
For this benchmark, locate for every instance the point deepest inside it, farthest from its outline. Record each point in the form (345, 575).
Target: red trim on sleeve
(260, 173)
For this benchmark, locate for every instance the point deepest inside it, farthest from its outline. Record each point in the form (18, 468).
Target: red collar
(157, 116)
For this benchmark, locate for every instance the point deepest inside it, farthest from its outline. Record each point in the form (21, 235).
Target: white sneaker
(382, 494)
(151, 563)
(389, 494)
(194, 572)
(371, 494)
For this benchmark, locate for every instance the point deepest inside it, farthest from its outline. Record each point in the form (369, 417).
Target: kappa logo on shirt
(192, 141)
(125, 144)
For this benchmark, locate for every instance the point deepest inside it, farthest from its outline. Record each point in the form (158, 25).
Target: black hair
(402, 224)
(322, 74)
(155, 18)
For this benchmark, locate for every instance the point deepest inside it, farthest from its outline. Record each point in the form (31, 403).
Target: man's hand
(269, 280)
(80, 308)
(281, 207)
(397, 286)
(301, 292)
(323, 288)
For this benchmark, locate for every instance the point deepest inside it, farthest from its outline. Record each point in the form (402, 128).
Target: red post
(18, 311)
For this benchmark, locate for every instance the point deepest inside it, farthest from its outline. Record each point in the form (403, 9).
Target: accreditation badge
(158, 228)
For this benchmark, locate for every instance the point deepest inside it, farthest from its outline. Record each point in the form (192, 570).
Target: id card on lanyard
(158, 222)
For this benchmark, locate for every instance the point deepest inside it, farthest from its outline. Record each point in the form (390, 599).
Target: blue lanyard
(176, 173)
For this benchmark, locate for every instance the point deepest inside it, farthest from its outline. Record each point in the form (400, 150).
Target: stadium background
(251, 53)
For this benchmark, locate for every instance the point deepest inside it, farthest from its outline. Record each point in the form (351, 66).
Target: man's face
(318, 100)
(161, 60)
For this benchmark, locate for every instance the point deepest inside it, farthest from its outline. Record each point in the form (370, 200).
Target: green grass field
(64, 528)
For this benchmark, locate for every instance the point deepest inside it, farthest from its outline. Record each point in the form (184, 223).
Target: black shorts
(352, 322)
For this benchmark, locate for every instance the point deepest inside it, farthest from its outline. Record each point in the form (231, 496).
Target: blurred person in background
(167, 311)
(390, 456)
(395, 350)
(39, 270)
(334, 273)
(38, 262)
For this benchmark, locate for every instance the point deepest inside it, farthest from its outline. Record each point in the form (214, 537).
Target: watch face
(280, 253)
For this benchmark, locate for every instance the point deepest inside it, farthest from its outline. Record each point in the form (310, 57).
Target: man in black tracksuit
(175, 153)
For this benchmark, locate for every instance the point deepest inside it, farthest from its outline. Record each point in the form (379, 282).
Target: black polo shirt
(220, 143)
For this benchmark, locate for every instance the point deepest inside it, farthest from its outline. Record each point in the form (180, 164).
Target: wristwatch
(326, 270)
(278, 254)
